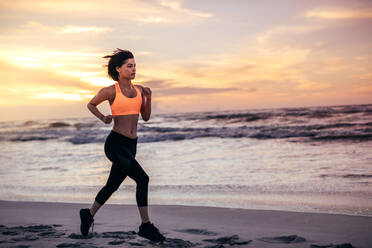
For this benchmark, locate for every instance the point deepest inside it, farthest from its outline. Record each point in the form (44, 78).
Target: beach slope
(44, 224)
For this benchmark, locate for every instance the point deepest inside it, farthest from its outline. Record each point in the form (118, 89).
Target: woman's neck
(124, 83)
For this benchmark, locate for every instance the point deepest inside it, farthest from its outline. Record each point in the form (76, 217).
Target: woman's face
(128, 69)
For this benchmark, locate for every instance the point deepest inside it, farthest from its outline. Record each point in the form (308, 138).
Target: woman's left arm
(146, 103)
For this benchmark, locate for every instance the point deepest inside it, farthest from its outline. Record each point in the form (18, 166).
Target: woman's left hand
(147, 92)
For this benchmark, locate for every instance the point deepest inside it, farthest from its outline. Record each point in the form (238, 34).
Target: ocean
(309, 159)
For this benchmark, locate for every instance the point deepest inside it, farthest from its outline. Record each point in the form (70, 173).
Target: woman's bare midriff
(126, 125)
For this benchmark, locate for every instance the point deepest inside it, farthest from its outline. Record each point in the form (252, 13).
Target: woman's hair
(118, 58)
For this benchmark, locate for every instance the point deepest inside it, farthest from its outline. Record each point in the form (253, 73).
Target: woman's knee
(104, 194)
(144, 179)
(111, 187)
(147, 179)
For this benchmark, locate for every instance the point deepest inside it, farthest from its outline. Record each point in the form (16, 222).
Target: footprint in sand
(28, 233)
(345, 245)
(13, 233)
(116, 242)
(131, 235)
(78, 244)
(229, 240)
(20, 246)
(119, 235)
(79, 236)
(137, 243)
(283, 239)
(198, 232)
(129, 239)
(169, 242)
(214, 246)
(25, 238)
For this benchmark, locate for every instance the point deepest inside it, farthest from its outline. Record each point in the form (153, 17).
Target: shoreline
(346, 203)
(184, 226)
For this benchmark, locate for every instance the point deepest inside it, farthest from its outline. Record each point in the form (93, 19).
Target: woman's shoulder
(108, 91)
(110, 88)
(140, 87)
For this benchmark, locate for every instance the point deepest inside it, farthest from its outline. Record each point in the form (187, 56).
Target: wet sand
(44, 224)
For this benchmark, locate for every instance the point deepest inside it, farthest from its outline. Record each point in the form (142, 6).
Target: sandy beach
(44, 224)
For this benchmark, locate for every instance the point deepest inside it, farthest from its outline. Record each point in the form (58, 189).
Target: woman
(126, 102)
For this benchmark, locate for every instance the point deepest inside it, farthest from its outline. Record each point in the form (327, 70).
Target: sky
(195, 55)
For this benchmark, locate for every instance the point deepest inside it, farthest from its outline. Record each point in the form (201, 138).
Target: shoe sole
(154, 240)
(81, 223)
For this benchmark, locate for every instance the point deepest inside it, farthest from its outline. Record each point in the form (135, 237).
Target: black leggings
(121, 151)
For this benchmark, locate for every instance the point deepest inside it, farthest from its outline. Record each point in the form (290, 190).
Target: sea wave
(325, 132)
(355, 176)
(32, 138)
(321, 124)
(58, 124)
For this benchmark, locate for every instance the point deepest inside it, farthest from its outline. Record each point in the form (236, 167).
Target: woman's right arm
(101, 96)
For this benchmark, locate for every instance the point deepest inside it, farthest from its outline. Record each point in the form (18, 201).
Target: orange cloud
(293, 29)
(340, 14)
(220, 65)
(141, 12)
(58, 95)
(176, 5)
(366, 89)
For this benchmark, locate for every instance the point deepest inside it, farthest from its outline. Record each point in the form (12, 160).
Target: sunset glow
(195, 56)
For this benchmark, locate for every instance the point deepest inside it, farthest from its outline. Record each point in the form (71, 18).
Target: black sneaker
(149, 231)
(86, 220)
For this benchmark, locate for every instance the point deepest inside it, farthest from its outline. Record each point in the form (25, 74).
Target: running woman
(126, 102)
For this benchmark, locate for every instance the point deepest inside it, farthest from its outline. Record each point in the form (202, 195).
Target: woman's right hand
(107, 119)
(104, 94)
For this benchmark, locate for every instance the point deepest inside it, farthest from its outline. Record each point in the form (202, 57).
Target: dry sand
(42, 224)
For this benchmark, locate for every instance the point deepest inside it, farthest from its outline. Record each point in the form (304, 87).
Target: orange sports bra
(123, 105)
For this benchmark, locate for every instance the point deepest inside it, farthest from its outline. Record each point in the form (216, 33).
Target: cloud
(61, 69)
(62, 84)
(366, 89)
(45, 109)
(165, 88)
(308, 85)
(153, 19)
(58, 95)
(158, 84)
(176, 6)
(66, 29)
(293, 29)
(22, 85)
(80, 29)
(340, 13)
(192, 90)
(137, 11)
